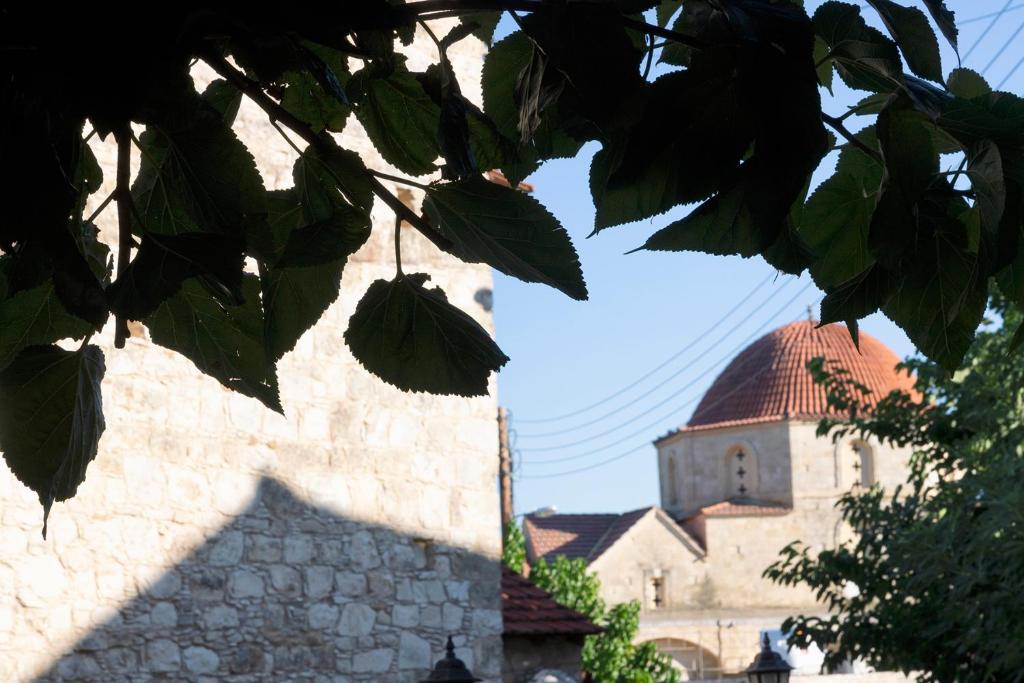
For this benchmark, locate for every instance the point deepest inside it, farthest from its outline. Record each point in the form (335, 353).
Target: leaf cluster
(931, 579)
(230, 274)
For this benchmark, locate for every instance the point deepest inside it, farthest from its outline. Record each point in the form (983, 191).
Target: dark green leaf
(163, 262)
(911, 164)
(692, 135)
(997, 116)
(944, 18)
(32, 317)
(224, 98)
(411, 337)
(51, 419)
(88, 174)
(865, 58)
(306, 100)
(224, 342)
(484, 24)
(823, 65)
(506, 229)
(197, 176)
(985, 170)
(909, 26)
(666, 10)
(305, 280)
(722, 225)
(837, 217)
(967, 84)
(858, 297)
(399, 117)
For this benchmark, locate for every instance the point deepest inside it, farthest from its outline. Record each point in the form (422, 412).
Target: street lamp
(451, 669)
(768, 666)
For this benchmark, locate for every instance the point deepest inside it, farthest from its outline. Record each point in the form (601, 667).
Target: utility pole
(504, 469)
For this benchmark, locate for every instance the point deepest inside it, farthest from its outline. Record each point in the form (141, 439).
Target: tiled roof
(769, 379)
(529, 611)
(586, 536)
(744, 507)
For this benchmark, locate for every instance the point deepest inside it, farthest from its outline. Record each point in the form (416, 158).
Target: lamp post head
(768, 666)
(451, 669)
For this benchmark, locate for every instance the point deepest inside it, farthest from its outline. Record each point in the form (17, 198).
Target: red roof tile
(586, 536)
(769, 379)
(744, 507)
(529, 611)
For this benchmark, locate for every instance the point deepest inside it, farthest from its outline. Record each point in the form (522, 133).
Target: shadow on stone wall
(289, 591)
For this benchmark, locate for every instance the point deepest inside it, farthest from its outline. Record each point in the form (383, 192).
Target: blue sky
(647, 309)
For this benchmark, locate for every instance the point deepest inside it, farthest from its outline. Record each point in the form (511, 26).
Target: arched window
(860, 466)
(673, 482)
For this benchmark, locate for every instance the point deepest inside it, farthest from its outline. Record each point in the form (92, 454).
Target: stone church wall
(214, 540)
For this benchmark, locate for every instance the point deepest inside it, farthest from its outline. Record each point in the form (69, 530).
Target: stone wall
(214, 540)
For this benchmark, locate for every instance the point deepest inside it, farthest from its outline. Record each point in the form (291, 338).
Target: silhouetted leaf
(997, 116)
(399, 117)
(836, 220)
(506, 229)
(411, 337)
(722, 225)
(225, 342)
(163, 262)
(224, 98)
(945, 19)
(315, 95)
(33, 317)
(858, 297)
(985, 170)
(322, 231)
(51, 419)
(909, 26)
(865, 58)
(484, 24)
(197, 176)
(692, 135)
(967, 84)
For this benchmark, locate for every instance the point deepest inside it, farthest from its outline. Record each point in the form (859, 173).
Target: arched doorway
(693, 661)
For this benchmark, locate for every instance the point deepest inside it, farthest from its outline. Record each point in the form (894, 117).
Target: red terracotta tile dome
(769, 379)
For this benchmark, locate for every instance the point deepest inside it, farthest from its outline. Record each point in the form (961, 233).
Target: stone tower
(214, 540)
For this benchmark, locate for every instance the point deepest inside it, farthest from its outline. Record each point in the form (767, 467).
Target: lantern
(768, 665)
(450, 669)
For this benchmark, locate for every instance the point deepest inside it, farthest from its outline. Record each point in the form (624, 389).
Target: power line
(982, 17)
(674, 356)
(620, 456)
(668, 379)
(995, 19)
(1012, 71)
(1003, 48)
(675, 410)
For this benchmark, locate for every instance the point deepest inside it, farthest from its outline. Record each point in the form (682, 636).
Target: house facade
(744, 478)
(215, 540)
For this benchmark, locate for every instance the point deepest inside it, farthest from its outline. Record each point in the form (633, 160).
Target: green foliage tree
(735, 124)
(938, 564)
(611, 656)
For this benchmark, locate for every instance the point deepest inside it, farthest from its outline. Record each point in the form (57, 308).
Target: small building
(542, 639)
(744, 478)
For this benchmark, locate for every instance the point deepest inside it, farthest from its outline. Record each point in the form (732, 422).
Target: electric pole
(504, 469)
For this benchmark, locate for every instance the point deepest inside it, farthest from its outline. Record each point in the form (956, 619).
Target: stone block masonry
(214, 540)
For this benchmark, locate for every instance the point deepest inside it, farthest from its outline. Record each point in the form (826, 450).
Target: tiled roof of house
(744, 507)
(769, 379)
(586, 536)
(529, 611)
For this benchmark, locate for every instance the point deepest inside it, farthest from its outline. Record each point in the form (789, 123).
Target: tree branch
(122, 194)
(417, 10)
(320, 141)
(837, 126)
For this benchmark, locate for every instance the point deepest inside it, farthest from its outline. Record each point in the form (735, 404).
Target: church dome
(769, 379)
